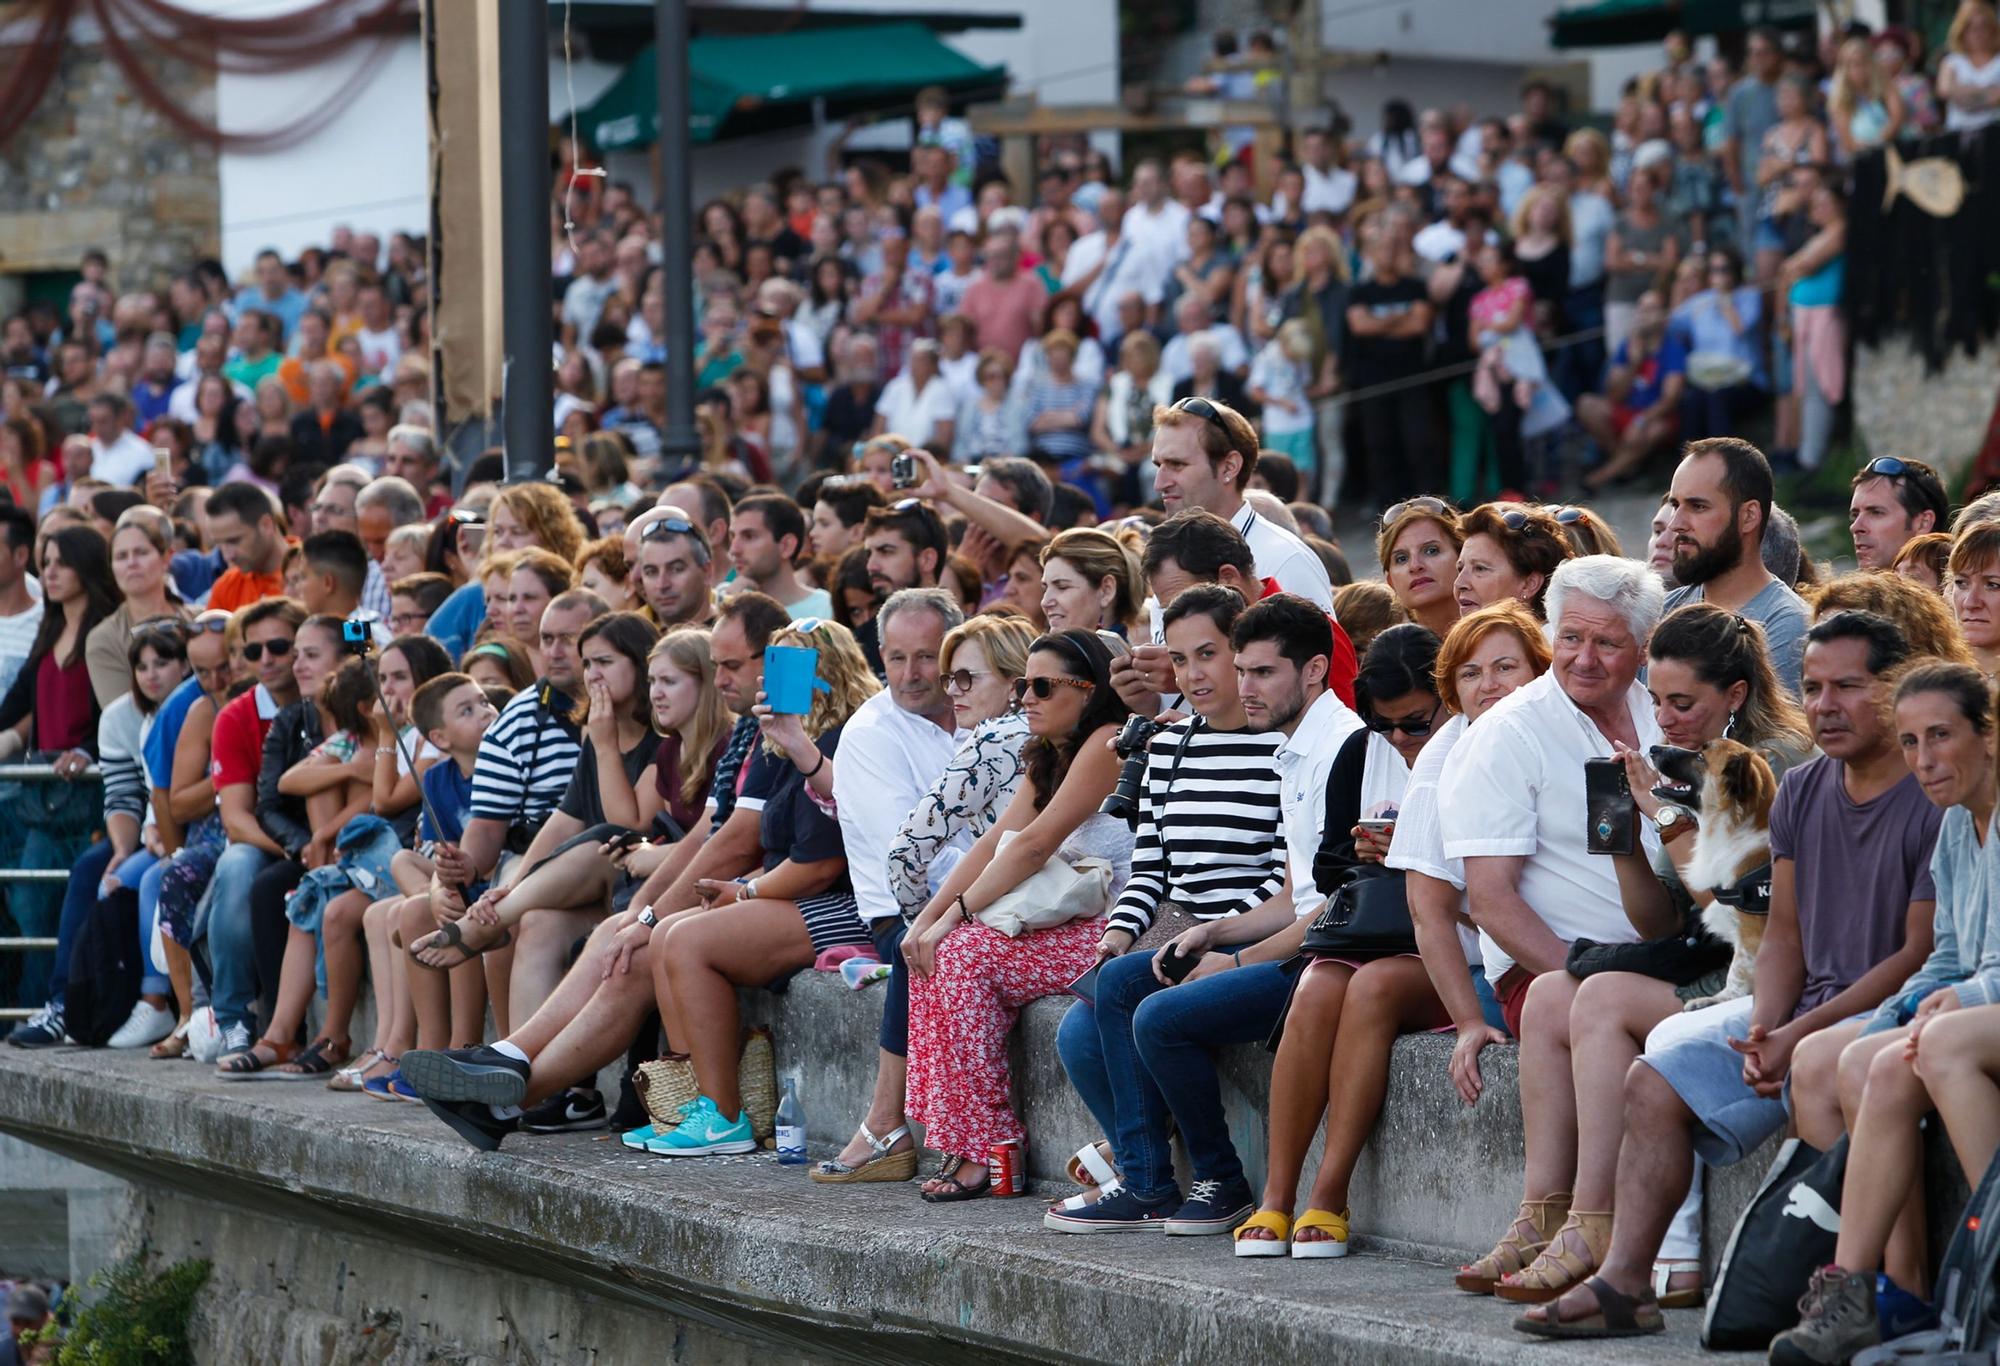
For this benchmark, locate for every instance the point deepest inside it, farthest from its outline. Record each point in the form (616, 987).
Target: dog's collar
(1750, 893)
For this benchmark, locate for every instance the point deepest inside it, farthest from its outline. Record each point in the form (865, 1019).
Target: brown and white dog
(1731, 787)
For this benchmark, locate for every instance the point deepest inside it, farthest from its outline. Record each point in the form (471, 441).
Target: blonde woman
(1090, 581)
(520, 516)
(1542, 231)
(1317, 298)
(1123, 421)
(1969, 75)
(142, 548)
(1865, 108)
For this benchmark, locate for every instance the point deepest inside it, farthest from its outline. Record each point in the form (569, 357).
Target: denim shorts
(1731, 1120)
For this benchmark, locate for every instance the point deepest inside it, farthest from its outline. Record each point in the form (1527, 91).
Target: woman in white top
(917, 404)
(1969, 76)
(1123, 422)
(1345, 1015)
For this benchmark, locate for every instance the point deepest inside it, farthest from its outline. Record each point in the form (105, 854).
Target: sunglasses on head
(1415, 730)
(1433, 506)
(1044, 688)
(466, 517)
(279, 648)
(1208, 413)
(1888, 466)
(1518, 520)
(906, 505)
(206, 623)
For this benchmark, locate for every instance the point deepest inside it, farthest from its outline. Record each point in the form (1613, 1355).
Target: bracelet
(749, 889)
(818, 766)
(963, 909)
(1237, 954)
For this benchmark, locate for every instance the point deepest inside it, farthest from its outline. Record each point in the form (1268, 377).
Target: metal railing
(34, 773)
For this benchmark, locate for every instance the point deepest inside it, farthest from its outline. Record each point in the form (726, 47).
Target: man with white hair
(1194, 316)
(411, 454)
(1513, 797)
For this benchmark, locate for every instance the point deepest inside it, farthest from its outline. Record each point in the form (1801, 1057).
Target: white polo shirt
(886, 762)
(1303, 763)
(1419, 843)
(1514, 788)
(1284, 557)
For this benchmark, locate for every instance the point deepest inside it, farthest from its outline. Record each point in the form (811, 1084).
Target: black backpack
(1968, 1293)
(104, 970)
(1786, 1234)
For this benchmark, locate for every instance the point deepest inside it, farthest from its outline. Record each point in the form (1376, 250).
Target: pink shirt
(1005, 314)
(1496, 301)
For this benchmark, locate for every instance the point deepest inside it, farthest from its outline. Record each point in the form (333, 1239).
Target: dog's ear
(1741, 778)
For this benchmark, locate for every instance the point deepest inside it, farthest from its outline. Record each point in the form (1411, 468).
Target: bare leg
(1816, 1084)
(1609, 1021)
(497, 968)
(378, 923)
(1958, 1057)
(1548, 1088)
(1388, 997)
(539, 956)
(468, 1004)
(1885, 1158)
(295, 988)
(1299, 1081)
(340, 930)
(598, 1036)
(430, 1000)
(575, 990)
(708, 956)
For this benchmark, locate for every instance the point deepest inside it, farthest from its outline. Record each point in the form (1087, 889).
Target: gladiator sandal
(1570, 1258)
(1536, 1223)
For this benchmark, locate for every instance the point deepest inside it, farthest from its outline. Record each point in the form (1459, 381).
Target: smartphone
(624, 839)
(1378, 827)
(903, 471)
(1084, 988)
(163, 461)
(1613, 815)
(790, 675)
(1174, 967)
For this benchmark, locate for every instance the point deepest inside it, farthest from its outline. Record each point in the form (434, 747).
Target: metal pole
(670, 48)
(528, 412)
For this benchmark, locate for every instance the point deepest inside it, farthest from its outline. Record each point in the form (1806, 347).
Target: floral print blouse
(962, 805)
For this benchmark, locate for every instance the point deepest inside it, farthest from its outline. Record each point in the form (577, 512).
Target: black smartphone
(1084, 988)
(1614, 816)
(1174, 967)
(624, 839)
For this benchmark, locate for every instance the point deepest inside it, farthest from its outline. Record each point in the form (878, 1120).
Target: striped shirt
(1211, 837)
(728, 769)
(526, 758)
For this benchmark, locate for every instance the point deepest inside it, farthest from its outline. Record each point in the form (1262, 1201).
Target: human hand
(1642, 778)
(1153, 665)
(149, 838)
(920, 950)
(70, 764)
(486, 910)
(318, 851)
(601, 723)
(1939, 1002)
(1472, 1041)
(624, 944)
(933, 484)
(717, 891)
(984, 549)
(1190, 943)
(1372, 845)
(1767, 1057)
(447, 901)
(786, 730)
(1210, 964)
(1114, 943)
(452, 865)
(639, 861)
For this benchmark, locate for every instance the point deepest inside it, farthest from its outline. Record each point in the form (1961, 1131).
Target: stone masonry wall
(98, 166)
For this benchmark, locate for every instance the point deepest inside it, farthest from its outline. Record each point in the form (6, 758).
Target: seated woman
(979, 661)
(737, 936)
(1333, 1059)
(1090, 582)
(968, 980)
(1418, 549)
(1710, 678)
(1945, 721)
(1507, 550)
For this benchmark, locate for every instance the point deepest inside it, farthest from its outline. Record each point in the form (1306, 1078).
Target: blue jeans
(232, 949)
(78, 898)
(155, 981)
(888, 936)
(1143, 1052)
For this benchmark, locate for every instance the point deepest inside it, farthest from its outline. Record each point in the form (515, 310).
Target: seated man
(1852, 903)
(1211, 842)
(524, 767)
(612, 976)
(1638, 415)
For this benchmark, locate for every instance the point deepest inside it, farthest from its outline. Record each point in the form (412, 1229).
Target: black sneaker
(569, 1113)
(1212, 1207)
(1119, 1212)
(43, 1029)
(474, 1122)
(461, 1074)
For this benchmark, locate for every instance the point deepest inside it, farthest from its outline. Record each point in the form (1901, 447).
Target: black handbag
(1368, 914)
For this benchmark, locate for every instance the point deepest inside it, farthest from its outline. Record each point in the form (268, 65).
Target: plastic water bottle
(791, 1126)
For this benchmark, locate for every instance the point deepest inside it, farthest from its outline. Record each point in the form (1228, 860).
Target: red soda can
(1007, 1169)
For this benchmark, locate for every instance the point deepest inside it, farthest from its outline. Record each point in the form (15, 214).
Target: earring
(1729, 730)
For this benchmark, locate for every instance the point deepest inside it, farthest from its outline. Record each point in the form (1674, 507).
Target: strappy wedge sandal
(1540, 1219)
(883, 1166)
(1274, 1222)
(247, 1066)
(1617, 1316)
(1335, 1228)
(175, 1045)
(1687, 1297)
(1560, 1266)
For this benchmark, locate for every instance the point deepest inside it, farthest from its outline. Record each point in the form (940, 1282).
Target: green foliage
(135, 1318)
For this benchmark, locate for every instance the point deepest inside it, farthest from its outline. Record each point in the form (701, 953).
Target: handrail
(44, 773)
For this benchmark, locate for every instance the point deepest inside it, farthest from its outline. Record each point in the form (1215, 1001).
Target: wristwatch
(647, 918)
(1673, 821)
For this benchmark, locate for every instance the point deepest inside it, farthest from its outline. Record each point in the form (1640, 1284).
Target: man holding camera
(1210, 845)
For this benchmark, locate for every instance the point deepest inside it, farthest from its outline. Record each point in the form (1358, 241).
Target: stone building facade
(97, 166)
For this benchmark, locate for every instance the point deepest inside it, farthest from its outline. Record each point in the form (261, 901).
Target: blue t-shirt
(458, 619)
(158, 751)
(1650, 376)
(449, 793)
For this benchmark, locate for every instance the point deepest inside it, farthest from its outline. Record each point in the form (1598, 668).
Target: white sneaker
(145, 1026)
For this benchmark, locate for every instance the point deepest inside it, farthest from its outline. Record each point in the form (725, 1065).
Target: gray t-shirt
(1751, 109)
(1856, 869)
(1784, 617)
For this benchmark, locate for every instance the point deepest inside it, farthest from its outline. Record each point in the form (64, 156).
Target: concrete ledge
(745, 1247)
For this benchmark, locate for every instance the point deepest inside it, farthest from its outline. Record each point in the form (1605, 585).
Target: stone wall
(98, 166)
(1940, 418)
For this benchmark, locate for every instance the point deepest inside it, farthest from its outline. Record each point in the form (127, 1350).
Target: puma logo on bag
(1803, 1202)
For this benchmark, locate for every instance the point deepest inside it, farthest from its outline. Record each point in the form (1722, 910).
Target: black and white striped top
(526, 758)
(1211, 838)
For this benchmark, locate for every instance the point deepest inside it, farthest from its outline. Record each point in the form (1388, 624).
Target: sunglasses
(254, 651)
(1207, 412)
(1044, 688)
(1888, 466)
(961, 680)
(207, 623)
(1522, 521)
(906, 505)
(676, 526)
(1435, 507)
(1567, 516)
(466, 517)
(1415, 730)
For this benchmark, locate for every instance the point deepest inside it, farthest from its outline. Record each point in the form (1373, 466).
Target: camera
(903, 471)
(356, 636)
(1130, 744)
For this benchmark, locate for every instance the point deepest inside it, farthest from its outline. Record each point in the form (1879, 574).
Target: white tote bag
(1055, 894)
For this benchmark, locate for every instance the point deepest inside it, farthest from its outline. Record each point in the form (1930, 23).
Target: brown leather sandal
(1532, 1228)
(1570, 1258)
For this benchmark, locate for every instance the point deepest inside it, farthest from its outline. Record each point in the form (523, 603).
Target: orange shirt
(237, 588)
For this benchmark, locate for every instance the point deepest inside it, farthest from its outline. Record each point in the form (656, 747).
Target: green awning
(1622, 23)
(740, 84)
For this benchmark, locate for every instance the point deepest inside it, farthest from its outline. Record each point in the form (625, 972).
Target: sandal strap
(1618, 1310)
(1275, 1222)
(1559, 1265)
(1336, 1224)
(884, 1144)
(1665, 1271)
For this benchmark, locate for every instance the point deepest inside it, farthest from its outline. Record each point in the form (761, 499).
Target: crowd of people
(1043, 494)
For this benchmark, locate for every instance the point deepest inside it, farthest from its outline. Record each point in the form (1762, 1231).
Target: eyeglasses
(1415, 730)
(961, 680)
(1435, 507)
(1045, 686)
(407, 623)
(331, 510)
(217, 624)
(254, 651)
(805, 626)
(467, 517)
(677, 526)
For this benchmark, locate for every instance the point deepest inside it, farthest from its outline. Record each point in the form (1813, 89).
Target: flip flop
(956, 1189)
